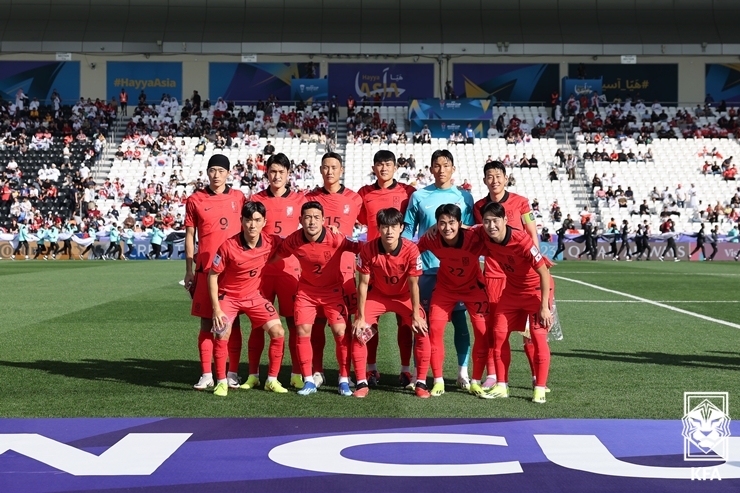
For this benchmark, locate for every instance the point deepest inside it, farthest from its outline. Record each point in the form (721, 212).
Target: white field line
(657, 273)
(633, 301)
(650, 302)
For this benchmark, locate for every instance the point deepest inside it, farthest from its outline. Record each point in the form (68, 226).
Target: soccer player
(528, 295)
(239, 262)
(386, 192)
(459, 279)
(420, 217)
(214, 213)
(390, 265)
(280, 279)
(341, 208)
(319, 250)
(522, 217)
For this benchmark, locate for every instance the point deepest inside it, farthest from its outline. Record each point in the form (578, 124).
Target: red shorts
(475, 300)
(376, 305)
(258, 309)
(201, 299)
(283, 286)
(515, 308)
(495, 288)
(309, 303)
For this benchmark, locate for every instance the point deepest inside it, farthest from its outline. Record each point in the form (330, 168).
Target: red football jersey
(517, 209)
(375, 198)
(283, 218)
(320, 264)
(241, 266)
(459, 265)
(518, 257)
(341, 210)
(389, 271)
(215, 217)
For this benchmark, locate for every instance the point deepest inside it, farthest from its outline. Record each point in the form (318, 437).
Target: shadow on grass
(667, 359)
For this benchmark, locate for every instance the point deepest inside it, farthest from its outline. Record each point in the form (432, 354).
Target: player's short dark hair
(493, 208)
(494, 165)
(451, 210)
(312, 205)
(332, 155)
(383, 156)
(279, 159)
(249, 208)
(389, 217)
(442, 153)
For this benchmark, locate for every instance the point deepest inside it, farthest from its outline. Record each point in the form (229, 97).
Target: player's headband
(220, 161)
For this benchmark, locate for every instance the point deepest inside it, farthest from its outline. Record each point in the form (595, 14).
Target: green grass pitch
(115, 339)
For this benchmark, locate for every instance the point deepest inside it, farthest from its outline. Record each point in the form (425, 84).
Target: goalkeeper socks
(205, 347)
(462, 337)
(255, 345)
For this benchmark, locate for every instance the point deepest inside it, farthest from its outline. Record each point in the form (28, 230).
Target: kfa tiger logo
(289, 211)
(396, 202)
(465, 261)
(327, 256)
(233, 206)
(346, 209)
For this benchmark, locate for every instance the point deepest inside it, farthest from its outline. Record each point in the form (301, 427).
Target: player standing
(319, 250)
(528, 295)
(459, 279)
(522, 217)
(341, 208)
(279, 279)
(420, 217)
(214, 213)
(385, 193)
(390, 265)
(239, 262)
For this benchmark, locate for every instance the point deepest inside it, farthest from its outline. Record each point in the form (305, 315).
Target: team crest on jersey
(346, 209)
(327, 256)
(465, 261)
(396, 202)
(233, 206)
(510, 259)
(289, 211)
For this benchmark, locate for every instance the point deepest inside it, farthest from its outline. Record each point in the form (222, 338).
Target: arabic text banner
(519, 82)
(580, 87)
(442, 129)
(392, 81)
(441, 109)
(254, 81)
(309, 89)
(39, 79)
(154, 78)
(723, 81)
(647, 81)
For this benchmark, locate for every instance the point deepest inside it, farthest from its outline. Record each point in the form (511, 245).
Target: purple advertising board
(394, 82)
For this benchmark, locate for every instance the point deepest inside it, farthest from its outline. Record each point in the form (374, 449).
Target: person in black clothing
(667, 228)
(700, 237)
(545, 236)
(612, 239)
(639, 246)
(589, 235)
(713, 239)
(624, 232)
(269, 149)
(561, 241)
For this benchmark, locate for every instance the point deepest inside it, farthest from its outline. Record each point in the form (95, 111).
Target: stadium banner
(443, 128)
(580, 87)
(726, 249)
(646, 81)
(515, 82)
(452, 109)
(383, 454)
(39, 79)
(256, 81)
(393, 82)
(309, 90)
(154, 78)
(722, 81)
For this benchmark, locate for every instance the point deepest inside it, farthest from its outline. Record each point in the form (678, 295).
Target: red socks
(235, 348)
(529, 351)
(437, 340)
(275, 353)
(480, 348)
(295, 358)
(359, 358)
(205, 347)
(220, 352)
(405, 344)
(372, 346)
(304, 354)
(255, 345)
(318, 342)
(343, 347)
(422, 354)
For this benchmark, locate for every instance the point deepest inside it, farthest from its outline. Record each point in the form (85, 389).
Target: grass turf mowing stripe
(651, 302)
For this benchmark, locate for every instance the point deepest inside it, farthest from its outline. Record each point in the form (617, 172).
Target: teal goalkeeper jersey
(420, 215)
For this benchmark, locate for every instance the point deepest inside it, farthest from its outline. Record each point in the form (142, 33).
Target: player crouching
(389, 282)
(527, 278)
(233, 284)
